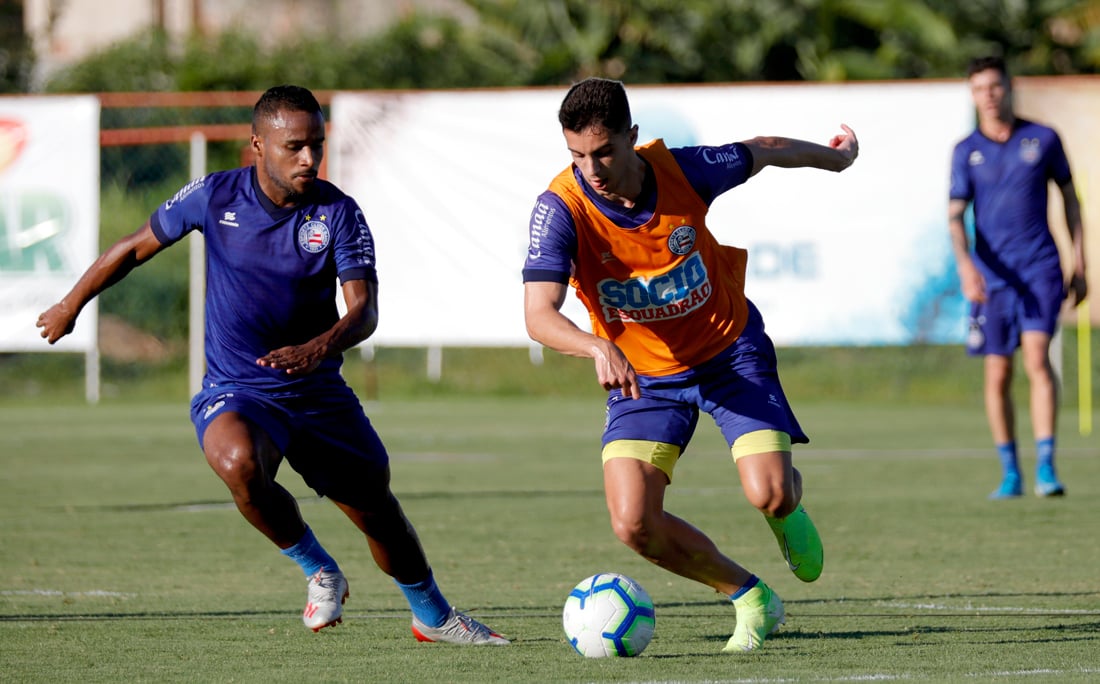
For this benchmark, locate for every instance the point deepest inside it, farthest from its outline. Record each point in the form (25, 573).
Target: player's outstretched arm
(546, 325)
(790, 153)
(112, 266)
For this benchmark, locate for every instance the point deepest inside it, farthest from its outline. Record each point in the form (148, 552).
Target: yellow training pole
(1084, 369)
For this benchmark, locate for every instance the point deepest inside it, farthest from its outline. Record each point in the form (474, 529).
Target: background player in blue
(672, 334)
(277, 239)
(1013, 277)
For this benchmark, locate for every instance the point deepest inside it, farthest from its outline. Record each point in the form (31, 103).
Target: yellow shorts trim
(659, 454)
(760, 442)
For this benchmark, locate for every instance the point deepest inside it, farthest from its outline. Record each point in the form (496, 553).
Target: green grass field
(124, 561)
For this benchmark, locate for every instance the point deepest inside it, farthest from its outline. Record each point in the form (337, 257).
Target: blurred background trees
(544, 42)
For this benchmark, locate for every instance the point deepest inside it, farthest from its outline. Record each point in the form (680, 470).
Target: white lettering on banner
(669, 295)
(772, 260)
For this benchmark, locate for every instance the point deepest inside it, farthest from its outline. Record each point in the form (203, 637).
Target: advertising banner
(49, 213)
(448, 180)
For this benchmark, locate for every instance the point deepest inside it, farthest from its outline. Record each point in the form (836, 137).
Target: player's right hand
(614, 371)
(973, 284)
(56, 322)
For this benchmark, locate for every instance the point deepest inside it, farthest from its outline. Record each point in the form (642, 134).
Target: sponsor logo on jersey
(682, 240)
(717, 155)
(364, 241)
(230, 219)
(313, 236)
(976, 158)
(1029, 150)
(185, 191)
(540, 220)
(648, 299)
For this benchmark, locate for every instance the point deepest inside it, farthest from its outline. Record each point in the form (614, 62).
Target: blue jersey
(711, 170)
(1008, 184)
(270, 272)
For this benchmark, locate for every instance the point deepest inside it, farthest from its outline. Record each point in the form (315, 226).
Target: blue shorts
(325, 436)
(739, 388)
(995, 325)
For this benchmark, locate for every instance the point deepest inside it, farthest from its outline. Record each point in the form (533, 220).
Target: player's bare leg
(393, 541)
(1044, 409)
(635, 499)
(1000, 412)
(246, 460)
(999, 408)
(397, 551)
(774, 486)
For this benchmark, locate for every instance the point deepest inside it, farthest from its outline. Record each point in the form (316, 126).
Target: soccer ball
(608, 615)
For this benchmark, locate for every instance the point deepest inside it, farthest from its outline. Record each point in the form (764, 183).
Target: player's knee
(237, 467)
(636, 534)
(773, 500)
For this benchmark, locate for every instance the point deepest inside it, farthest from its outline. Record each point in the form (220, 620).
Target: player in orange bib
(672, 334)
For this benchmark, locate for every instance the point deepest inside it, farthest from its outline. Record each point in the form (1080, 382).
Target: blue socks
(753, 581)
(426, 601)
(310, 555)
(1009, 464)
(1044, 452)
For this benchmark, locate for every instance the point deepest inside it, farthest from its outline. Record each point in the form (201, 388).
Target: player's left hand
(295, 360)
(1078, 288)
(846, 143)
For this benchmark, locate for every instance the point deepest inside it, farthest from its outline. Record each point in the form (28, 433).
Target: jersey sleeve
(354, 244)
(552, 242)
(184, 212)
(960, 186)
(1058, 164)
(712, 170)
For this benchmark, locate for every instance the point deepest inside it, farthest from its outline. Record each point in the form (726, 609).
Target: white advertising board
(49, 214)
(448, 179)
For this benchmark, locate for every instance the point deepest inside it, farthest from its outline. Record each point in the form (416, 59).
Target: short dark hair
(979, 64)
(596, 102)
(290, 97)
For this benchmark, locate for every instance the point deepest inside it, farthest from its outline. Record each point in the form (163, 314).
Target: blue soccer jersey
(271, 273)
(1008, 184)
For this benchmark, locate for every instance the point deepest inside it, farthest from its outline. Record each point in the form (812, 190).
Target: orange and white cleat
(326, 596)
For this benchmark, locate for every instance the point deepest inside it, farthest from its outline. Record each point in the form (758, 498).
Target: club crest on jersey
(313, 236)
(1029, 150)
(682, 240)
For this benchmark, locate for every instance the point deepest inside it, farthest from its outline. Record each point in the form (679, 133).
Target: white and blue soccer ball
(608, 615)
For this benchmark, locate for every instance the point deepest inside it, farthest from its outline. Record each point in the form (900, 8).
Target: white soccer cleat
(458, 629)
(326, 595)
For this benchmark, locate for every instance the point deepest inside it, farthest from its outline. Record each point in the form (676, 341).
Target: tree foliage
(541, 42)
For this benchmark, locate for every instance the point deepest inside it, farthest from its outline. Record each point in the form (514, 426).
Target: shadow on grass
(404, 496)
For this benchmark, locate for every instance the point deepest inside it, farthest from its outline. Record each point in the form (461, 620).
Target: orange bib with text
(667, 293)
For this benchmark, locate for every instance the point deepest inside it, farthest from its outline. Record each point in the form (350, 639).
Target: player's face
(289, 147)
(605, 159)
(991, 93)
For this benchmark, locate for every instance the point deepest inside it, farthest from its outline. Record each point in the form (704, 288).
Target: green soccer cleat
(800, 544)
(759, 615)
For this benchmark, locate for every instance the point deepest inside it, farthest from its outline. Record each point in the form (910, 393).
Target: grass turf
(123, 558)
